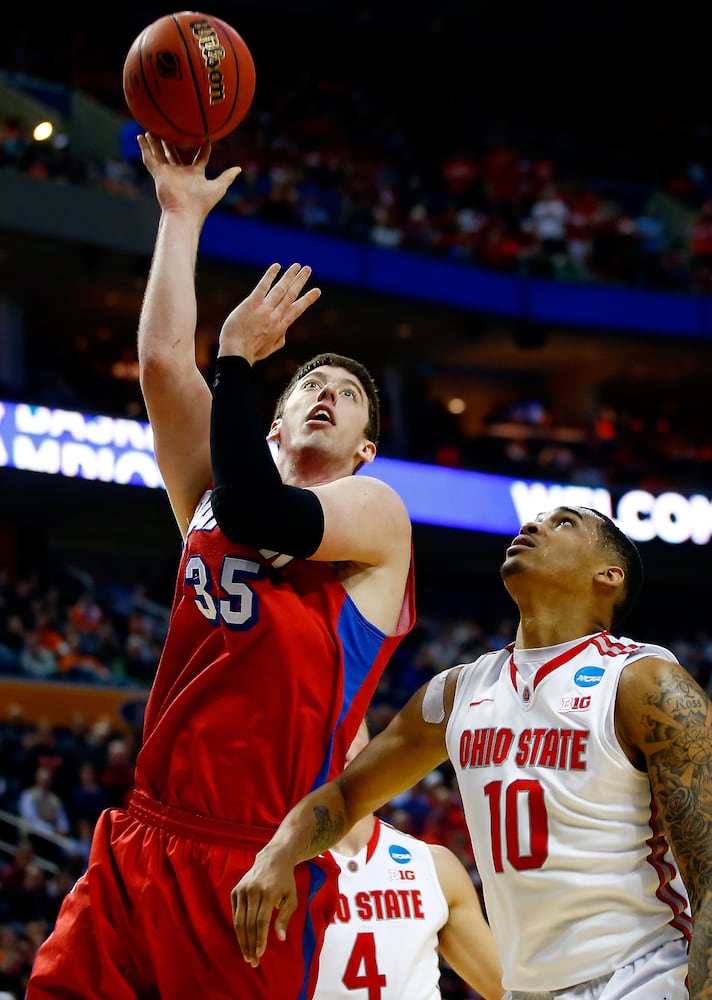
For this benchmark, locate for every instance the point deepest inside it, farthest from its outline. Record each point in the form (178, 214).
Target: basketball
(189, 78)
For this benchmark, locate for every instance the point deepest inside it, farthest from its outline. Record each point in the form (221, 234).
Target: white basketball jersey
(382, 943)
(578, 879)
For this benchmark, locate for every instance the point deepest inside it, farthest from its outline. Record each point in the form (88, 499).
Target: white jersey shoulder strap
(434, 698)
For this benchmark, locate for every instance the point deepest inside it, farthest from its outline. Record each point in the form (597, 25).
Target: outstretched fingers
(267, 280)
(285, 296)
(291, 283)
(202, 155)
(257, 327)
(156, 152)
(301, 304)
(151, 147)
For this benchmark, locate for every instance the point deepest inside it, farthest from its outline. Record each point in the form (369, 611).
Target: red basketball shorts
(151, 917)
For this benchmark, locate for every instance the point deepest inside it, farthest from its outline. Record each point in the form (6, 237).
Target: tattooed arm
(393, 761)
(664, 720)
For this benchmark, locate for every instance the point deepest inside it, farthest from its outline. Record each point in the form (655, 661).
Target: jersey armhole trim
(433, 707)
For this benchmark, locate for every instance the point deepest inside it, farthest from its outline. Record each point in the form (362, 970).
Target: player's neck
(357, 837)
(549, 627)
(312, 467)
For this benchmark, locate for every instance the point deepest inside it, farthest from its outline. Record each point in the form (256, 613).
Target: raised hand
(257, 327)
(184, 186)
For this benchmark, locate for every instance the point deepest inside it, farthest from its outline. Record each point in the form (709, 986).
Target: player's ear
(366, 452)
(274, 430)
(611, 577)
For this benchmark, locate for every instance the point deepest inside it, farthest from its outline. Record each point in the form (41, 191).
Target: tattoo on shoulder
(327, 828)
(676, 722)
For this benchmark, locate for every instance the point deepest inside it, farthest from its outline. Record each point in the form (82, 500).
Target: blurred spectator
(581, 224)
(142, 649)
(117, 776)
(36, 660)
(499, 248)
(12, 643)
(386, 231)
(86, 615)
(12, 872)
(547, 223)
(42, 749)
(14, 964)
(77, 665)
(73, 740)
(108, 648)
(501, 177)
(653, 247)
(48, 628)
(86, 801)
(14, 732)
(41, 808)
(31, 900)
(462, 174)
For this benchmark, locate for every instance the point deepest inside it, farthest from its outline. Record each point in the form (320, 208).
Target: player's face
(560, 544)
(327, 409)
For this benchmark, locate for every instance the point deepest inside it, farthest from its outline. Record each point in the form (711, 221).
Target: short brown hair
(373, 426)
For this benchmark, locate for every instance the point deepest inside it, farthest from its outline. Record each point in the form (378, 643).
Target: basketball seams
(189, 53)
(149, 91)
(229, 40)
(144, 76)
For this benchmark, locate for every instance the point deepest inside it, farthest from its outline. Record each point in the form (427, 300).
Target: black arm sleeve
(250, 502)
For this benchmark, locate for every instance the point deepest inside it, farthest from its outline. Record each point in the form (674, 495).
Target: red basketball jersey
(264, 678)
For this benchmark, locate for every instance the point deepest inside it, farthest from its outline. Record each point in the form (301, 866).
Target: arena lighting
(111, 450)
(43, 131)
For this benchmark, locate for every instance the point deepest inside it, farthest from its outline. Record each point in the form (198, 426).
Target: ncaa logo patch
(588, 677)
(401, 855)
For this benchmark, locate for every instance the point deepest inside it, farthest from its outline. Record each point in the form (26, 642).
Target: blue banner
(116, 450)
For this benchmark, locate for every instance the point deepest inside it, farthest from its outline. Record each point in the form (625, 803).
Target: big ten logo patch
(401, 874)
(575, 703)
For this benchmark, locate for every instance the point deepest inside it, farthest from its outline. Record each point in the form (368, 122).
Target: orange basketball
(189, 78)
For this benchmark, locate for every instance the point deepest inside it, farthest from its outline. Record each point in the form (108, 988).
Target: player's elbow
(155, 363)
(282, 520)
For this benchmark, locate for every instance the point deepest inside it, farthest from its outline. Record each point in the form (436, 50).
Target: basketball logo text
(213, 53)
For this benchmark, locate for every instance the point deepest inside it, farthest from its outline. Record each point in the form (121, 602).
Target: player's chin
(510, 566)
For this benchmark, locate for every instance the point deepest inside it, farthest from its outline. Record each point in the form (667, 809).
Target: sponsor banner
(118, 450)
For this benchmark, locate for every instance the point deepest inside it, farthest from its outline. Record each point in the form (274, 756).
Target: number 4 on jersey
(362, 968)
